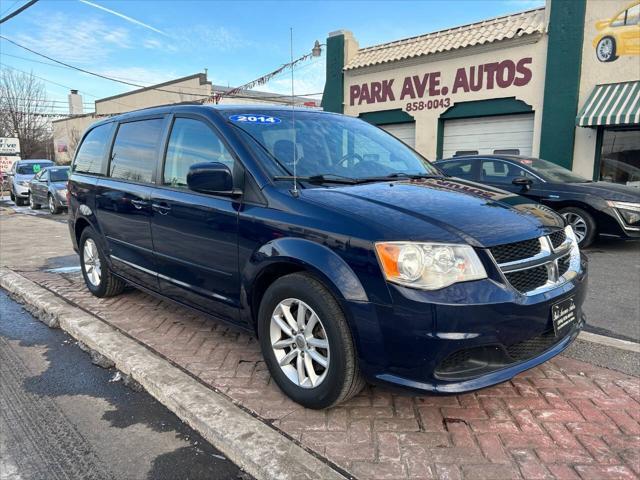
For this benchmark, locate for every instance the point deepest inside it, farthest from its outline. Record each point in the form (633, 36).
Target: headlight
(428, 266)
(62, 193)
(630, 212)
(24, 183)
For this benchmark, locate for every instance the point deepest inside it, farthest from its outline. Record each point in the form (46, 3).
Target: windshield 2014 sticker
(254, 118)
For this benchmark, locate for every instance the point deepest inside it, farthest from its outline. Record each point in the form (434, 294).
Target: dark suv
(349, 255)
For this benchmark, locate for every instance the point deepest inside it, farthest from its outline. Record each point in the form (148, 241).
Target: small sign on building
(9, 146)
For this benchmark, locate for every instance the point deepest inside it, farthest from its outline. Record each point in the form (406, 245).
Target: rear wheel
(32, 203)
(95, 270)
(582, 223)
(307, 344)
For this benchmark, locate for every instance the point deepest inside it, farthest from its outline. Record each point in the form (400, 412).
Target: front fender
(313, 257)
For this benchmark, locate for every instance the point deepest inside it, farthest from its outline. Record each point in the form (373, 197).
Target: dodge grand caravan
(351, 257)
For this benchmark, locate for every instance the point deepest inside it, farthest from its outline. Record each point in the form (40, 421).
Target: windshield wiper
(320, 179)
(396, 175)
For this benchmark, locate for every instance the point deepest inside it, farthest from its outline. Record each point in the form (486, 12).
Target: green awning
(611, 104)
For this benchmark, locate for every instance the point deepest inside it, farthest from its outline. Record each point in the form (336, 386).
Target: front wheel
(582, 223)
(53, 208)
(32, 203)
(606, 49)
(95, 270)
(307, 344)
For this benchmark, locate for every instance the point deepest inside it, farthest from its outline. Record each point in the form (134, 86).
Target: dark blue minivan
(350, 256)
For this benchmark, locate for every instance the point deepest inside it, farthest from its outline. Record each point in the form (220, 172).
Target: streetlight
(316, 51)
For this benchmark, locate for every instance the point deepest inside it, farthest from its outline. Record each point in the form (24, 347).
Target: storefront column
(562, 81)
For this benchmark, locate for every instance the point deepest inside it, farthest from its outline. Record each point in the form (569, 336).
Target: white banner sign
(9, 146)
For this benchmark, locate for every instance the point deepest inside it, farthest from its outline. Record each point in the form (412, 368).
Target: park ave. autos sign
(433, 90)
(9, 146)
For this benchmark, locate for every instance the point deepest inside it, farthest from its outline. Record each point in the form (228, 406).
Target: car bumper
(484, 334)
(21, 191)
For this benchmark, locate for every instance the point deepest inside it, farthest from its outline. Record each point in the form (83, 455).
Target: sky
(150, 41)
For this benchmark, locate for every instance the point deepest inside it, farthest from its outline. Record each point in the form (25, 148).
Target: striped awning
(611, 104)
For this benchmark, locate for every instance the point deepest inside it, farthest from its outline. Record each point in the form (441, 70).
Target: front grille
(510, 252)
(563, 265)
(557, 238)
(529, 279)
(532, 346)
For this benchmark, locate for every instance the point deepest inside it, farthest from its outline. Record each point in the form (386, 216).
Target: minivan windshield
(551, 171)
(329, 145)
(31, 168)
(59, 174)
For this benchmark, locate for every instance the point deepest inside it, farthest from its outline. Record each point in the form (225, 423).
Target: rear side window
(135, 150)
(90, 157)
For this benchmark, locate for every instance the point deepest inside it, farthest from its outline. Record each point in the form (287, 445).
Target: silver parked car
(21, 174)
(49, 187)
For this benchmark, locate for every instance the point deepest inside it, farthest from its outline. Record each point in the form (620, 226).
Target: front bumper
(474, 335)
(21, 191)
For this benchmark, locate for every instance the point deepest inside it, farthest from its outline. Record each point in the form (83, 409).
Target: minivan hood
(442, 210)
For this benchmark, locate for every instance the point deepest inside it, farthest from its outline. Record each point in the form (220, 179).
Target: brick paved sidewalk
(565, 419)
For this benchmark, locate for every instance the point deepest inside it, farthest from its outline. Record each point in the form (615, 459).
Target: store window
(620, 157)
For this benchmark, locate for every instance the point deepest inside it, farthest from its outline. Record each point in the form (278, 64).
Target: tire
(582, 223)
(32, 204)
(12, 196)
(107, 284)
(606, 49)
(53, 208)
(341, 379)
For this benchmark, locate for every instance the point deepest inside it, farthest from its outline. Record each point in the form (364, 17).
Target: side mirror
(210, 177)
(523, 182)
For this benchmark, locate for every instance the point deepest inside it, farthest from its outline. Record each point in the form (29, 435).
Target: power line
(9, 8)
(18, 11)
(99, 75)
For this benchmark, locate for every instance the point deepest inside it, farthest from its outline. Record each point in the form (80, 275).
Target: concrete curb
(255, 447)
(609, 341)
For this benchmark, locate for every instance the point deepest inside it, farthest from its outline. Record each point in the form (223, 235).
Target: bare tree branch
(22, 101)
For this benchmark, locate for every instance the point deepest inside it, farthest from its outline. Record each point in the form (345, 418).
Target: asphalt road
(62, 418)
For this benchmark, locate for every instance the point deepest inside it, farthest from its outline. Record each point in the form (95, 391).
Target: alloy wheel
(52, 205)
(578, 224)
(92, 265)
(31, 202)
(299, 342)
(605, 49)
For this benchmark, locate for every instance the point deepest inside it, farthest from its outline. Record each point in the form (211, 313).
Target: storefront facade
(509, 85)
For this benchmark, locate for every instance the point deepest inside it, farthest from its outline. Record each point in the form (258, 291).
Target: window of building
(620, 156)
(191, 142)
(464, 153)
(507, 151)
(135, 150)
(91, 154)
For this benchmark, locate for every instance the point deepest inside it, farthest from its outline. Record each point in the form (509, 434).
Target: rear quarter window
(135, 150)
(91, 154)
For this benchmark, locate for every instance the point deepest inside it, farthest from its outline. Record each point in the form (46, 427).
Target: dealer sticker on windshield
(255, 118)
(563, 314)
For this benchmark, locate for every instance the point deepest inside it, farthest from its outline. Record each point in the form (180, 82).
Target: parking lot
(566, 418)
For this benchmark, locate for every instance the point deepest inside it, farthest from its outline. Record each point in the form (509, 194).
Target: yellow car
(619, 35)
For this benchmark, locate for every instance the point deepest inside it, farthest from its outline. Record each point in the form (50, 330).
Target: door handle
(138, 204)
(162, 208)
